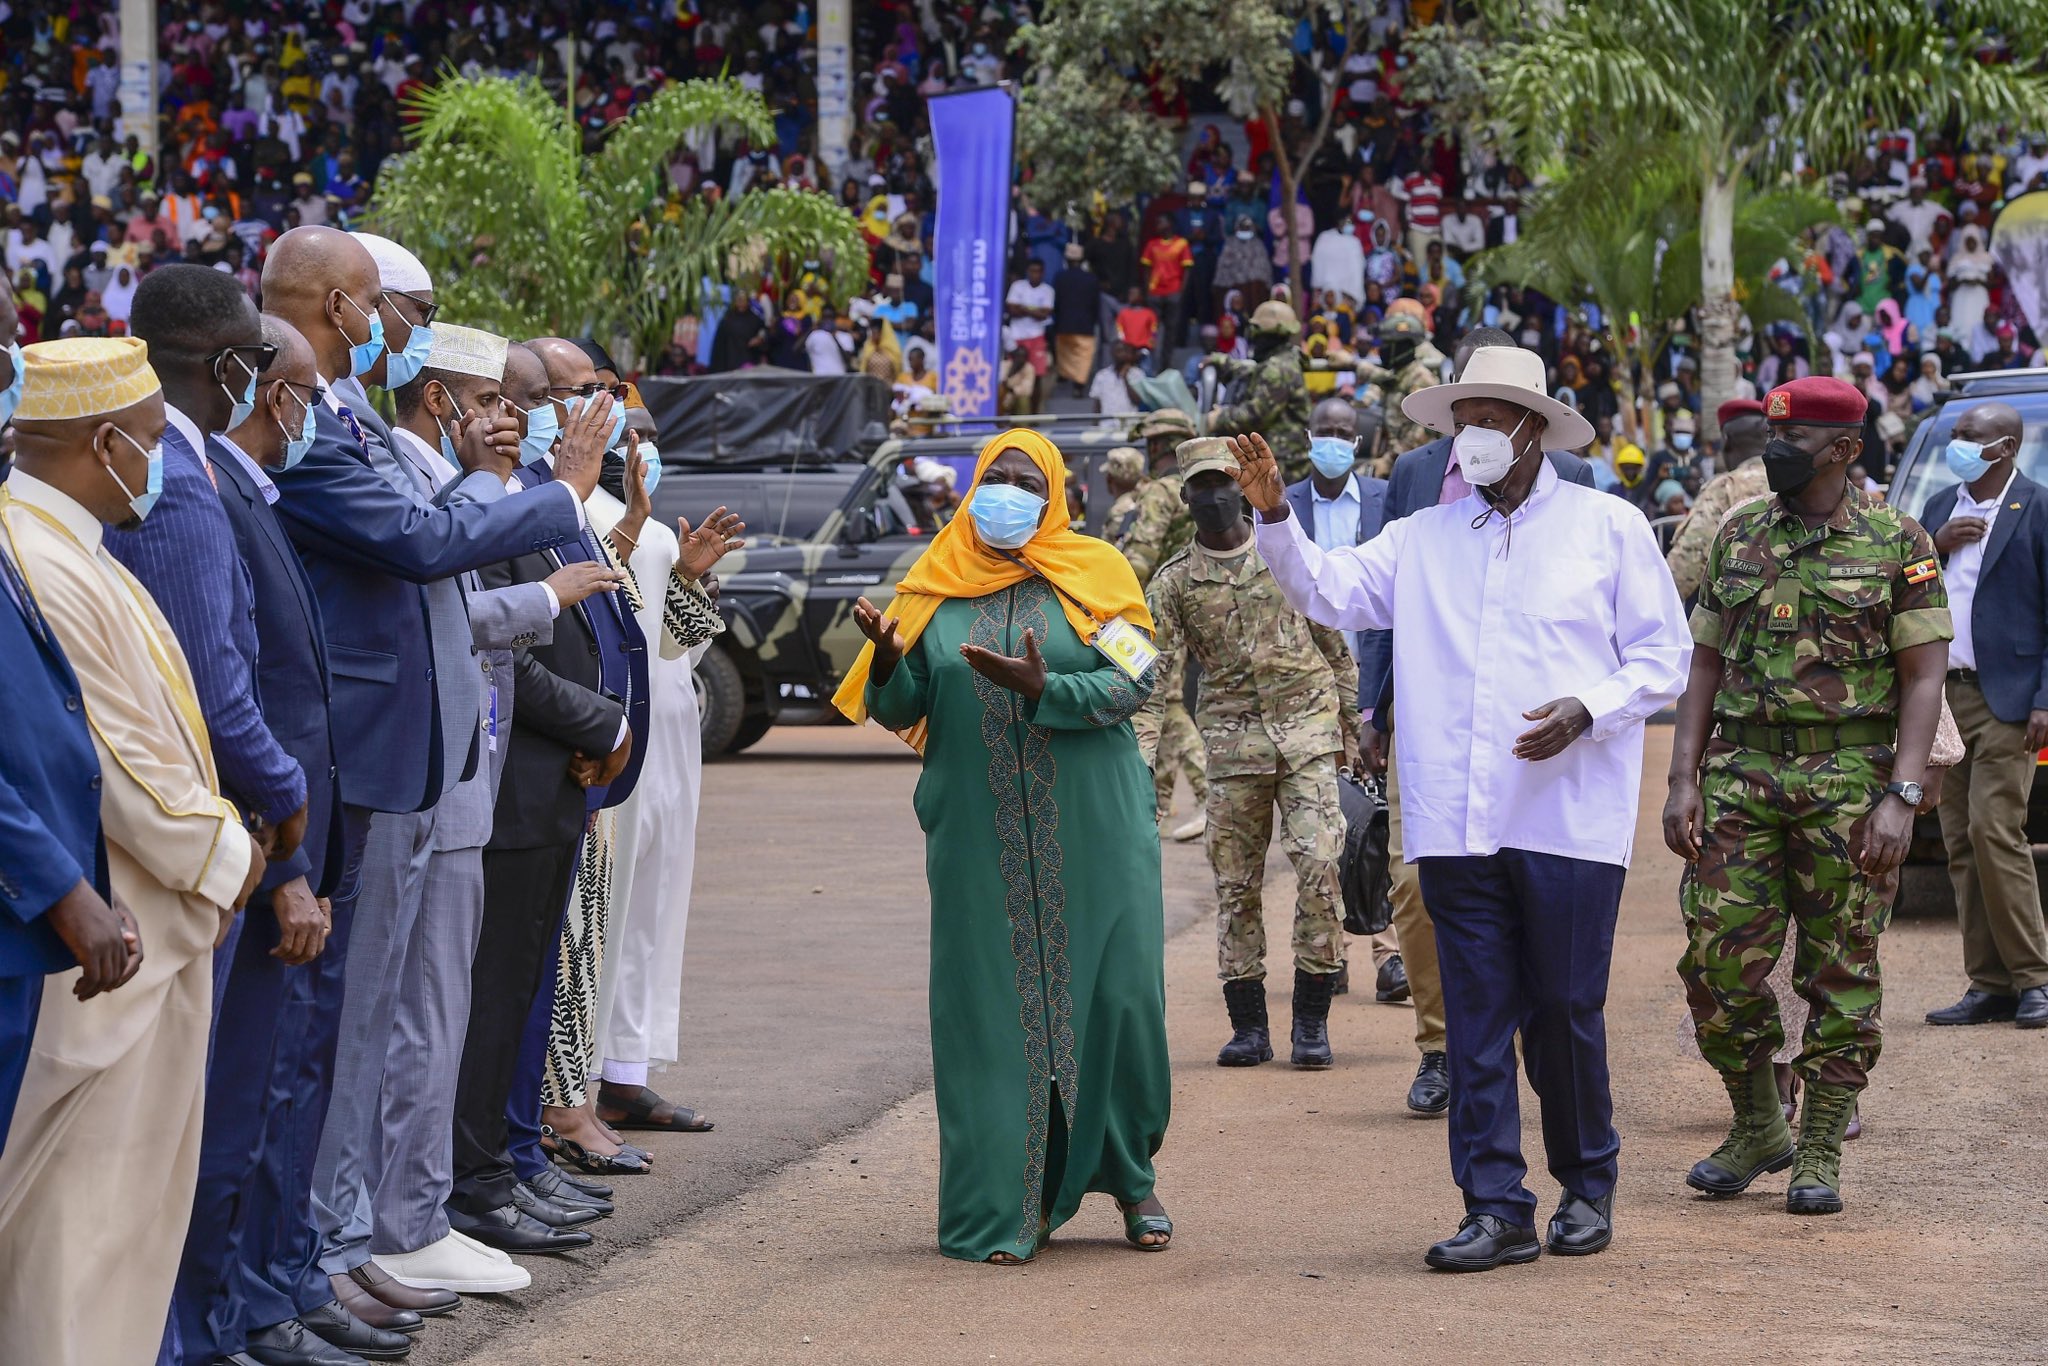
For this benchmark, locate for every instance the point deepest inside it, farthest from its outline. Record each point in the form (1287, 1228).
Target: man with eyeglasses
(260, 1040)
(370, 550)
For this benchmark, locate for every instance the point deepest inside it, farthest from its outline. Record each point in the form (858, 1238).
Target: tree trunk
(1720, 314)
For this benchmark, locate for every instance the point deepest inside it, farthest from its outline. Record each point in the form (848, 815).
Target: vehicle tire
(721, 700)
(751, 731)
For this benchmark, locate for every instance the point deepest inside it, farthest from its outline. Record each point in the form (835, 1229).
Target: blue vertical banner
(972, 137)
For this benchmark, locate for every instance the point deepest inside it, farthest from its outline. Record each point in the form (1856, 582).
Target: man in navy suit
(367, 548)
(1992, 532)
(1424, 477)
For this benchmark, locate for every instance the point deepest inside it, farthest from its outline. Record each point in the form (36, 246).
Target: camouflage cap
(1165, 422)
(1125, 463)
(1205, 453)
(1275, 316)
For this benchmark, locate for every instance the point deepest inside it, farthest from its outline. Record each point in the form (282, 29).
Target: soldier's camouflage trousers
(1180, 752)
(1778, 852)
(1311, 831)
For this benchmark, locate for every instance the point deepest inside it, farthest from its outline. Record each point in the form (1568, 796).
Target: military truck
(819, 537)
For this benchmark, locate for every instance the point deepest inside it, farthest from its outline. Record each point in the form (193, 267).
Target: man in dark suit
(367, 549)
(570, 741)
(1425, 477)
(1992, 532)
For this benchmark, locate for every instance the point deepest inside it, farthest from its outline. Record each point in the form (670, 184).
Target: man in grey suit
(384, 1171)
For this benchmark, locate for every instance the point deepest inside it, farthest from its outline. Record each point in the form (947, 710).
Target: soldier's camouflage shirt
(1274, 684)
(1160, 527)
(1274, 403)
(1807, 621)
(1723, 494)
(1398, 432)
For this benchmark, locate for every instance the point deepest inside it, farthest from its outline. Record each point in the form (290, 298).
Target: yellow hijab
(1094, 582)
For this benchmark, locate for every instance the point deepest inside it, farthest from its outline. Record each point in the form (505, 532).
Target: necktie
(348, 420)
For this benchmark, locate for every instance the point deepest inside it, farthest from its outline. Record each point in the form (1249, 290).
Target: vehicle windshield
(1929, 472)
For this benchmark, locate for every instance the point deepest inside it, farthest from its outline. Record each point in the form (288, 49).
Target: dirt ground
(1303, 1200)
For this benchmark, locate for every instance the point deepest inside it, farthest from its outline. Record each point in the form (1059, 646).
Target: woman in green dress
(1048, 983)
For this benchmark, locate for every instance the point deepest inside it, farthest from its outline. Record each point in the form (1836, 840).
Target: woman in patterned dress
(1047, 979)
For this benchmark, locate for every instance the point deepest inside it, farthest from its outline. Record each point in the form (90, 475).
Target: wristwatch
(1910, 791)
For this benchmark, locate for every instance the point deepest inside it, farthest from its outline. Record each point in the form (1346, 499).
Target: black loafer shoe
(1390, 988)
(1483, 1242)
(585, 1184)
(2033, 1009)
(1431, 1093)
(291, 1343)
(1977, 1007)
(1581, 1226)
(552, 1185)
(532, 1203)
(508, 1229)
(342, 1329)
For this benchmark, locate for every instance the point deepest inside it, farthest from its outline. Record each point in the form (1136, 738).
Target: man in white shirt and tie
(1537, 632)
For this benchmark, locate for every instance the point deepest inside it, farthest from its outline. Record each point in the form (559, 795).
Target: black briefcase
(1363, 872)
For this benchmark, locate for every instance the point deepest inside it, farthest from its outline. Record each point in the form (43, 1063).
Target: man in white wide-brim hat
(1535, 630)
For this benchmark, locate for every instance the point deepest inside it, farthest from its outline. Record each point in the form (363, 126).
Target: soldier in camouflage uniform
(1401, 371)
(1274, 398)
(1743, 433)
(1279, 706)
(1123, 475)
(1804, 732)
(1155, 530)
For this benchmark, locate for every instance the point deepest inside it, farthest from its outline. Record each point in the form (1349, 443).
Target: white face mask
(1484, 454)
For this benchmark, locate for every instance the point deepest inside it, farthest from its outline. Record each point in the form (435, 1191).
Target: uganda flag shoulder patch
(1920, 571)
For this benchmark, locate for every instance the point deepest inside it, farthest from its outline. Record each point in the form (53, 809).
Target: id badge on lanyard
(1125, 646)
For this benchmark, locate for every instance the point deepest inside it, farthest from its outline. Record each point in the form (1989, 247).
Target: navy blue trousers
(1524, 942)
(522, 1109)
(21, 998)
(279, 1260)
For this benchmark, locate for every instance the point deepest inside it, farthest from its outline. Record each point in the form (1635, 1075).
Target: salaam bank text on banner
(971, 146)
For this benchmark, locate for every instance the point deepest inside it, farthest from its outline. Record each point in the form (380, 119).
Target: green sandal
(1137, 1225)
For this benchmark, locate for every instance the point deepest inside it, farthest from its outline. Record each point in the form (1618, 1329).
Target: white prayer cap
(397, 268)
(467, 351)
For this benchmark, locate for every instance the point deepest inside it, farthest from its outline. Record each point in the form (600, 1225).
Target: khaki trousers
(1984, 824)
(1413, 927)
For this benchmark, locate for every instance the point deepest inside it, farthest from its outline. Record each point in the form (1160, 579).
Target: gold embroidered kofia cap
(467, 351)
(83, 377)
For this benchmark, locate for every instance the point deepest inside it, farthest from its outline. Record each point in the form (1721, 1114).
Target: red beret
(1819, 400)
(1736, 407)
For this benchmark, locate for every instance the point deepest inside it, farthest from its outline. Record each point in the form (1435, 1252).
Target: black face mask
(611, 477)
(1787, 468)
(1216, 510)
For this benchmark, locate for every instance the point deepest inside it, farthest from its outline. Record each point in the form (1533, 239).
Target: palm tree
(1632, 246)
(528, 236)
(1749, 87)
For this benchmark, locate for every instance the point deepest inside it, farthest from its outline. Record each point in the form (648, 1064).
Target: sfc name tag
(1125, 646)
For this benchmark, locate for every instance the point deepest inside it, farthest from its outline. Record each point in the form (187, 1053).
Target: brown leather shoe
(425, 1303)
(372, 1310)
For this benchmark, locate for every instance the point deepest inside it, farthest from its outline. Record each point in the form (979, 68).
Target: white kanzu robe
(96, 1181)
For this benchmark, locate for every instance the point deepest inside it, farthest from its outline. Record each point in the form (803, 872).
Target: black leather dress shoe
(585, 1184)
(1431, 1093)
(1976, 1007)
(531, 1202)
(291, 1343)
(551, 1185)
(1483, 1242)
(1391, 986)
(342, 1329)
(371, 1310)
(426, 1303)
(1581, 1226)
(2033, 1009)
(508, 1229)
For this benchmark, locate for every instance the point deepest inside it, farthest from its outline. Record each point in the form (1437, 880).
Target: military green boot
(1759, 1141)
(1817, 1175)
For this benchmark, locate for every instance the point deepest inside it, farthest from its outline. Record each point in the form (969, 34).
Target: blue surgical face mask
(650, 456)
(244, 405)
(447, 441)
(295, 447)
(542, 427)
(1966, 459)
(576, 405)
(1681, 441)
(401, 366)
(153, 487)
(1333, 456)
(10, 397)
(1005, 516)
(362, 355)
